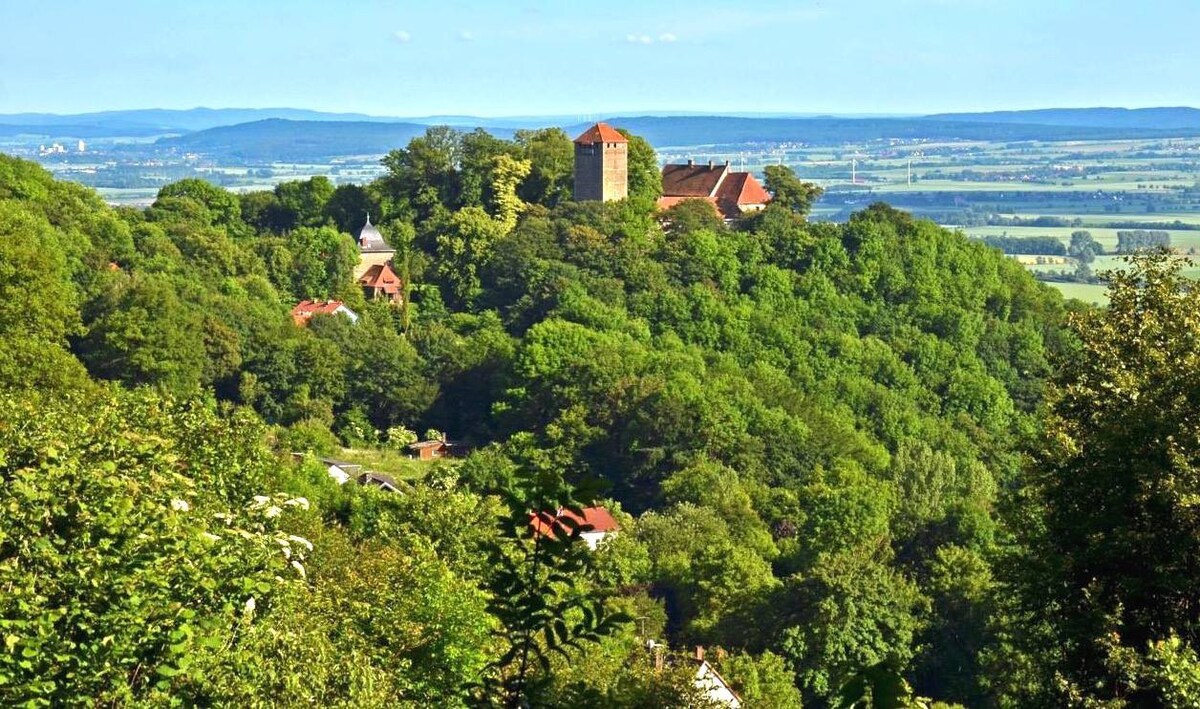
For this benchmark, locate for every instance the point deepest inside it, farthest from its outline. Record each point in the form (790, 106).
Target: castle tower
(601, 165)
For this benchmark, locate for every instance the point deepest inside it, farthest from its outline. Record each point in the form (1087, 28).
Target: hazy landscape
(700, 355)
(1102, 170)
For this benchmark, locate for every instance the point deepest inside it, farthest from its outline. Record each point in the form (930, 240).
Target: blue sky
(523, 57)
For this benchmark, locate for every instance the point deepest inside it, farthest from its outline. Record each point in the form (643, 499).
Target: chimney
(691, 162)
(726, 163)
(699, 653)
(711, 165)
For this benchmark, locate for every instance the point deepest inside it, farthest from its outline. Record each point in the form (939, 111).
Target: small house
(306, 309)
(431, 450)
(596, 523)
(380, 282)
(712, 684)
(340, 471)
(384, 482)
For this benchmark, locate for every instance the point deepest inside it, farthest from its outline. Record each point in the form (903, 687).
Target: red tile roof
(305, 309)
(739, 190)
(731, 192)
(601, 133)
(381, 276)
(668, 202)
(691, 180)
(598, 518)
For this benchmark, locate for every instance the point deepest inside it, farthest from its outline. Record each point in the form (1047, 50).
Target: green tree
(122, 573)
(1109, 531)
(507, 174)
(539, 582)
(424, 174)
(349, 206)
(645, 176)
(551, 156)
(140, 332)
(462, 246)
(692, 215)
(1083, 247)
(323, 262)
(38, 305)
(762, 682)
(303, 201)
(223, 205)
(789, 191)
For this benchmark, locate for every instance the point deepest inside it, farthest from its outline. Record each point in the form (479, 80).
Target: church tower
(601, 165)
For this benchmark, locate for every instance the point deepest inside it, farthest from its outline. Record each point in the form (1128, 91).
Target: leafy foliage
(808, 424)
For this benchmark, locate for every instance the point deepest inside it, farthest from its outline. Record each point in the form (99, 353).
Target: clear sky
(523, 57)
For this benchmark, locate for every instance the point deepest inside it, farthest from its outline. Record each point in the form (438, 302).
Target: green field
(1182, 240)
(1087, 292)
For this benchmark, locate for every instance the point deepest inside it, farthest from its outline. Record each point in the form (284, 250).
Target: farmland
(1025, 190)
(1009, 185)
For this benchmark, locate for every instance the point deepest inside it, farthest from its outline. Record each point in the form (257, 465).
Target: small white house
(340, 471)
(714, 686)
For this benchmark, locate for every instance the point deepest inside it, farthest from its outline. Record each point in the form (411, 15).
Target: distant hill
(1181, 118)
(298, 141)
(711, 130)
(160, 120)
(72, 131)
(270, 133)
(289, 140)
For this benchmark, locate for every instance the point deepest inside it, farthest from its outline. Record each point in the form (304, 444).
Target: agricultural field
(1181, 240)
(1094, 294)
(981, 187)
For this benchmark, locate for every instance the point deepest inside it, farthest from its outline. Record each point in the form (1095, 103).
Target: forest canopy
(815, 439)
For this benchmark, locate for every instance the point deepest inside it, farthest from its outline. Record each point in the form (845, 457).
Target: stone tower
(601, 165)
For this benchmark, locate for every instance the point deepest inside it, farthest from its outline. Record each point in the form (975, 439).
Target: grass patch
(1095, 294)
(398, 465)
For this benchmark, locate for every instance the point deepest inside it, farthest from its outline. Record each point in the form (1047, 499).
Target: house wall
(338, 474)
(716, 689)
(368, 260)
(348, 313)
(431, 453)
(593, 539)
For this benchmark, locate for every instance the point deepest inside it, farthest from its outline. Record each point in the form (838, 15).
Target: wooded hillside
(811, 436)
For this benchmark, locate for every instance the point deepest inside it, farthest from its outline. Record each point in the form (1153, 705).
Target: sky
(597, 57)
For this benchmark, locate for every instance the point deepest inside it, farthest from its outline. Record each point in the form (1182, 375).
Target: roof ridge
(717, 187)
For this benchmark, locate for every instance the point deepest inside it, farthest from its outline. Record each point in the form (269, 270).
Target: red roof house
(380, 282)
(306, 309)
(734, 194)
(597, 523)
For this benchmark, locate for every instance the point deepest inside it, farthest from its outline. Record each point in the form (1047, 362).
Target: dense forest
(864, 464)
